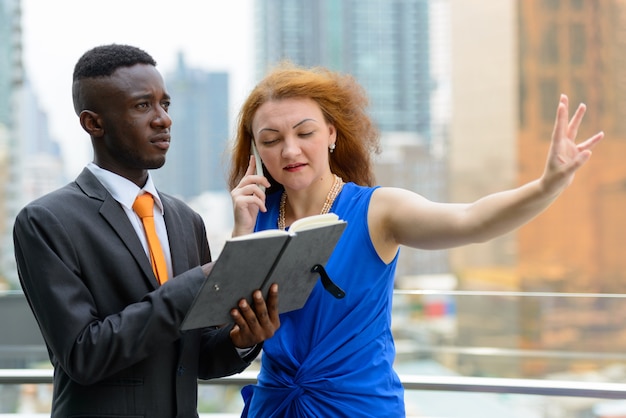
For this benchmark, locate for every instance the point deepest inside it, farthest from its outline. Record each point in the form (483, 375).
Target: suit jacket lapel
(114, 214)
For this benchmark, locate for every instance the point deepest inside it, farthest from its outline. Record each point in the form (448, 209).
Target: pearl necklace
(328, 203)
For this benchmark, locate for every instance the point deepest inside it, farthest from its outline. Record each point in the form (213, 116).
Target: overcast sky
(213, 35)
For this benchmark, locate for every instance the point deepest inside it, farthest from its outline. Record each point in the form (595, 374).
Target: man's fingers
(272, 305)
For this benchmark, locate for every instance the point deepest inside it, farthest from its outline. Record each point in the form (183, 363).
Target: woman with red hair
(315, 138)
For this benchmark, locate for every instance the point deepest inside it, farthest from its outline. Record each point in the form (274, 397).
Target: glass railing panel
(577, 337)
(502, 335)
(517, 335)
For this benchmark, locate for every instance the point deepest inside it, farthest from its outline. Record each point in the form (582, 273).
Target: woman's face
(292, 137)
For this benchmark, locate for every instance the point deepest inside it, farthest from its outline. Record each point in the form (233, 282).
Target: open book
(294, 259)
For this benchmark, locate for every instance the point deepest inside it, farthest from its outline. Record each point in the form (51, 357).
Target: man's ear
(90, 121)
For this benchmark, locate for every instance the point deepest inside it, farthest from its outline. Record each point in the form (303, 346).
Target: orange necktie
(143, 206)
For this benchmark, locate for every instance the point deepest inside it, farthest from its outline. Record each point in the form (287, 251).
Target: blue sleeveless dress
(334, 357)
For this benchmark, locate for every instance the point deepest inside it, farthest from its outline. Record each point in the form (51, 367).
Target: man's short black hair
(102, 61)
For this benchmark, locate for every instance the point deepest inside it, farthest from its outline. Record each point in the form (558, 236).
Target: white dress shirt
(125, 192)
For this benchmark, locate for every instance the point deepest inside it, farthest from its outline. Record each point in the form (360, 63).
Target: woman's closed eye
(269, 142)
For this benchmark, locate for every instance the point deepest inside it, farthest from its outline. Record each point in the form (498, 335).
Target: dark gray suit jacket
(111, 331)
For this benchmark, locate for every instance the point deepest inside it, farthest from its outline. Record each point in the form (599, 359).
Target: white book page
(314, 221)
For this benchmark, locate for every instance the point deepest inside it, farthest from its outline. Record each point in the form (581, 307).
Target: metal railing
(541, 387)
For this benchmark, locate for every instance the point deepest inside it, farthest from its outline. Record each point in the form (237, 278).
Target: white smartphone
(258, 162)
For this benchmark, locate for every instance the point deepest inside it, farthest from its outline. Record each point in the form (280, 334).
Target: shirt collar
(122, 189)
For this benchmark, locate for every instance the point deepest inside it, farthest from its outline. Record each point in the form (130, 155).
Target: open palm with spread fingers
(565, 156)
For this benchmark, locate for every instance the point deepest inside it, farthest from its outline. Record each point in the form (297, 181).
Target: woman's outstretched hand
(565, 157)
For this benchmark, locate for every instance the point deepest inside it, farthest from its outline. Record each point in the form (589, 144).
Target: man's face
(132, 108)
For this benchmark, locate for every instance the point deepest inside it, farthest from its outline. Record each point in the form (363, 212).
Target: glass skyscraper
(196, 159)
(384, 44)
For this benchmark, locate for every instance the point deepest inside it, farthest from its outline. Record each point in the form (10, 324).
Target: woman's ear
(91, 123)
(332, 134)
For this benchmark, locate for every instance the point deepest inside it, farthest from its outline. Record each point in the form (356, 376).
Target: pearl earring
(331, 147)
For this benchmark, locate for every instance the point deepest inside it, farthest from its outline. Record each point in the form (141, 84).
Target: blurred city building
(574, 47)
(35, 165)
(11, 79)
(481, 152)
(506, 89)
(196, 158)
(385, 45)
(482, 159)
(32, 158)
(4, 217)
